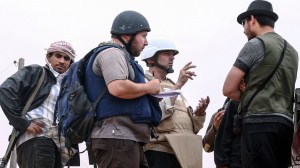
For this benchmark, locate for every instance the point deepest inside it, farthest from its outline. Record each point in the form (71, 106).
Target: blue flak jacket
(144, 109)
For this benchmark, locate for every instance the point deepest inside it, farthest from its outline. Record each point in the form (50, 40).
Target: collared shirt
(183, 120)
(177, 118)
(45, 114)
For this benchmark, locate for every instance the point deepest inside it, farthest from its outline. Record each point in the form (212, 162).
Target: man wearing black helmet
(268, 65)
(125, 113)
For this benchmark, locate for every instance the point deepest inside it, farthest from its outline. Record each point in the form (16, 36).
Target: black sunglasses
(244, 21)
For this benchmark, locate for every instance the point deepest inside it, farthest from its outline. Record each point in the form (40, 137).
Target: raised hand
(185, 74)
(217, 119)
(202, 105)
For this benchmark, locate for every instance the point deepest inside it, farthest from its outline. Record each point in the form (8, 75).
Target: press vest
(277, 95)
(140, 109)
(179, 116)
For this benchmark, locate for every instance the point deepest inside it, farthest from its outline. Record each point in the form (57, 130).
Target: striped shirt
(45, 114)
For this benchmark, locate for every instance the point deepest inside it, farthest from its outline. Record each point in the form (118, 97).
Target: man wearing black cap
(268, 65)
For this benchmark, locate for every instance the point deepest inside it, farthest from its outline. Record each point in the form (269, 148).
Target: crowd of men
(253, 129)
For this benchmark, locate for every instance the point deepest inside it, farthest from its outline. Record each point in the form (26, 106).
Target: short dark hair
(265, 21)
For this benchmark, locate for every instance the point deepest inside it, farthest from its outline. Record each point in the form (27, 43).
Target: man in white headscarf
(39, 144)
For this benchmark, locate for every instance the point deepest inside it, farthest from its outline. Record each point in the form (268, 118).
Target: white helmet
(158, 44)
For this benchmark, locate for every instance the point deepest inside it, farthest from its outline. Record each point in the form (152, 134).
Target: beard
(135, 50)
(250, 34)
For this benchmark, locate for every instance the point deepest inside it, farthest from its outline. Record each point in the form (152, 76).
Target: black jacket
(16, 90)
(227, 149)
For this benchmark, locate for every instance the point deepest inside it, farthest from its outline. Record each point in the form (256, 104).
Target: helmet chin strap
(168, 70)
(127, 45)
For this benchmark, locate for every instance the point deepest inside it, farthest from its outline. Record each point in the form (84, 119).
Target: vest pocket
(167, 124)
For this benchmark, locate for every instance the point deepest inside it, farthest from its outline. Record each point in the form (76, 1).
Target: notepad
(168, 93)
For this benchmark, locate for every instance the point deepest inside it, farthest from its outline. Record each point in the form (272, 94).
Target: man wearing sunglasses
(266, 104)
(39, 144)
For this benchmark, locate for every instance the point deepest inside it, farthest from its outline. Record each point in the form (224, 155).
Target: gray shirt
(112, 65)
(250, 56)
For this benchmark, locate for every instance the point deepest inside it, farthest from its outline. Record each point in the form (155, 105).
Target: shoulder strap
(96, 51)
(104, 46)
(15, 134)
(33, 94)
(127, 58)
(98, 99)
(267, 80)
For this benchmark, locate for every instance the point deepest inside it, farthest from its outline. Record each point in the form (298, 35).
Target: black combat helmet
(129, 22)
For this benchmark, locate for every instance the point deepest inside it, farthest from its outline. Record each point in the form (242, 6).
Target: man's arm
(231, 87)
(249, 57)
(184, 75)
(127, 89)
(14, 92)
(208, 140)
